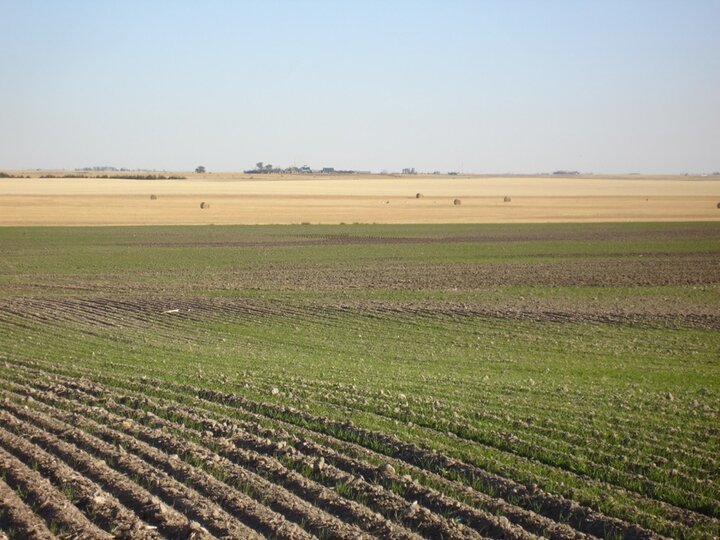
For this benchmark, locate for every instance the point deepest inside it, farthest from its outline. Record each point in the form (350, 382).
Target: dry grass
(356, 199)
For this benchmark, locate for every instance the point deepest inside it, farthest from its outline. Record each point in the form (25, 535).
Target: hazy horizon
(474, 87)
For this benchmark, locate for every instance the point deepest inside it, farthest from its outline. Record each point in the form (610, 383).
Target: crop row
(552, 506)
(143, 453)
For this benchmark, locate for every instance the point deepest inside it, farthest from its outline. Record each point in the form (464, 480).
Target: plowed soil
(103, 432)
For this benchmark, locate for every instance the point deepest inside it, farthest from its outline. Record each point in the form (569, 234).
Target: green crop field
(451, 381)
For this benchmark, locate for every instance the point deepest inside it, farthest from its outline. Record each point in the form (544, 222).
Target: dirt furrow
(366, 482)
(50, 504)
(381, 500)
(271, 469)
(384, 502)
(149, 508)
(277, 471)
(525, 493)
(18, 519)
(518, 516)
(235, 502)
(276, 497)
(553, 506)
(600, 451)
(106, 510)
(529, 450)
(172, 492)
(287, 453)
(526, 516)
(385, 475)
(256, 514)
(376, 497)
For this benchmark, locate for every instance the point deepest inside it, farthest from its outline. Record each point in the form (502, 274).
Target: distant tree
(259, 165)
(200, 169)
(268, 167)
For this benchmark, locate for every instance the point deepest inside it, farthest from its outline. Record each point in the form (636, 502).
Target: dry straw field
(243, 199)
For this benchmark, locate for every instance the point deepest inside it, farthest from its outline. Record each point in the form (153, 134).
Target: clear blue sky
(479, 86)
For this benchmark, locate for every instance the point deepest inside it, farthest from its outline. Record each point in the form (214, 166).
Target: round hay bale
(718, 205)
(507, 199)
(204, 205)
(457, 202)
(418, 195)
(153, 197)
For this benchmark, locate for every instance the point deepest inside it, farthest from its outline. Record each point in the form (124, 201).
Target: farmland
(237, 199)
(347, 381)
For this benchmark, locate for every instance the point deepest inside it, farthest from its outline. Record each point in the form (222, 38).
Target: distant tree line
(267, 168)
(118, 176)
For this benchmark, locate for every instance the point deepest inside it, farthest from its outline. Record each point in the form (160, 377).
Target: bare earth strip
(18, 518)
(50, 504)
(235, 199)
(108, 513)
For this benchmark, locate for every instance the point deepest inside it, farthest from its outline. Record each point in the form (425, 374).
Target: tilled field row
(19, 518)
(106, 510)
(386, 502)
(52, 506)
(233, 427)
(550, 449)
(142, 405)
(668, 511)
(350, 399)
(552, 506)
(609, 270)
(240, 477)
(263, 412)
(392, 504)
(165, 316)
(135, 450)
(606, 451)
(568, 270)
(175, 505)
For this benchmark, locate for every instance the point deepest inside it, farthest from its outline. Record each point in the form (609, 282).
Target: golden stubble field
(242, 199)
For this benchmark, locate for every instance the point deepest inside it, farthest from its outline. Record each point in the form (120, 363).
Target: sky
(503, 86)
